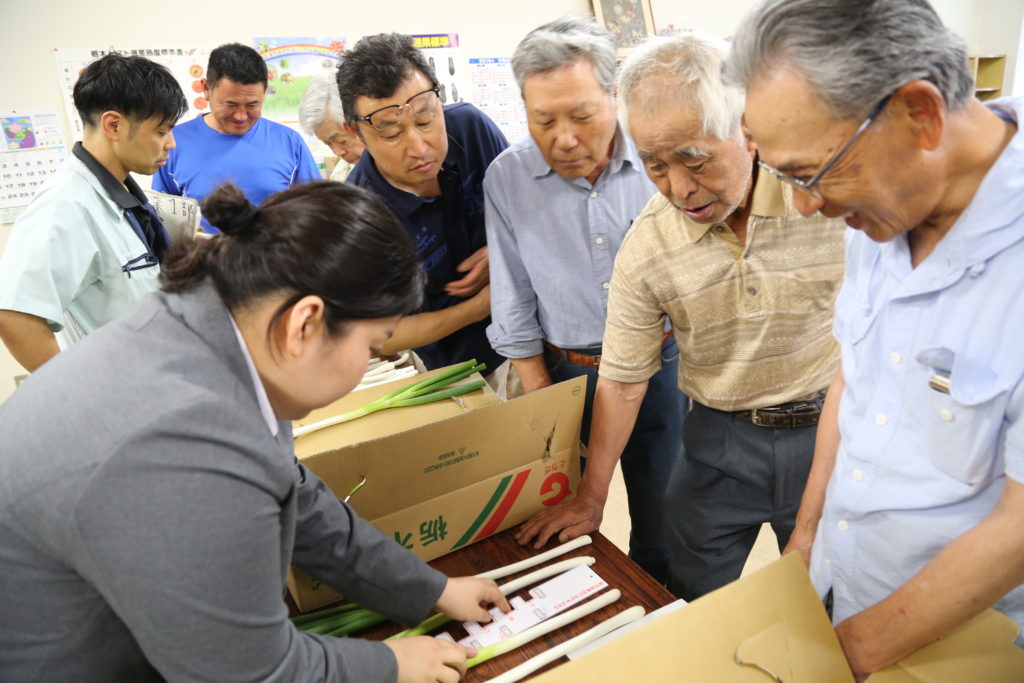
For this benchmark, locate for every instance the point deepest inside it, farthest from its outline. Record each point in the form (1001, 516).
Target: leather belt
(587, 360)
(786, 416)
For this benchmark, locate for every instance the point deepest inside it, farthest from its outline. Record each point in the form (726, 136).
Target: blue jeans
(651, 453)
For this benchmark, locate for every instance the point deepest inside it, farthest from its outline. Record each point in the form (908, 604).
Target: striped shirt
(753, 322)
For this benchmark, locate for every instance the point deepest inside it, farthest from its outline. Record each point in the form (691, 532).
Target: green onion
(441, 618)
(529, 666)
(424, 391)
(543, 628)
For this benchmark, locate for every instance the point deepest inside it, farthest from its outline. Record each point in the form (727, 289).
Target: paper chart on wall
(292, 62)
(34, 147)
(186, 64)
(493, 89)
(445, 58)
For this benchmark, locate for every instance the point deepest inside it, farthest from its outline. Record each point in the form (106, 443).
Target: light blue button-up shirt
(916, 466)
(552, 242)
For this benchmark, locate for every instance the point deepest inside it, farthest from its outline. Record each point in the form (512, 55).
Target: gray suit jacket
(148, 518)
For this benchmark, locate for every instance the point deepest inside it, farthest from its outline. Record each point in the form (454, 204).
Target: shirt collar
(623, 152)
(770, 198)
(129, 198)
(257, 384)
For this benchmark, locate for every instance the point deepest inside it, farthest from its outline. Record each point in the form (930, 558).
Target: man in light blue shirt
(916, 496)
(558, 205)
(233, 142)
(89, 245)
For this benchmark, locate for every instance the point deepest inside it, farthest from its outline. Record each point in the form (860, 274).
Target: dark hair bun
(228, 209)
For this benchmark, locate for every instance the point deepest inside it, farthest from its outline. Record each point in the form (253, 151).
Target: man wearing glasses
(912, 514)
(427, 162)
(748, 285)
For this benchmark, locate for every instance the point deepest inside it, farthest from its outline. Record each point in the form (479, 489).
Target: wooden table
(612, 565)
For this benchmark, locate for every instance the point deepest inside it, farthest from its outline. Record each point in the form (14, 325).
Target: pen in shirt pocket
(939, 381)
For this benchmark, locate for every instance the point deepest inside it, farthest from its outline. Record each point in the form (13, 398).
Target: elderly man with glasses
(912, 514)
(748, 286)
(427, 162)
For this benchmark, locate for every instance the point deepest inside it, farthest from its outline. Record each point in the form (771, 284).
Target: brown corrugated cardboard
(770, 625)
(444, 475)
(768, 621)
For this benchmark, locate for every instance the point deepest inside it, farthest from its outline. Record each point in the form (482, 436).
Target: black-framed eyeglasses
(422, 106)
(808, 185)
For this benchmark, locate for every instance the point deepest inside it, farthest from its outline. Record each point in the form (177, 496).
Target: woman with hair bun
(150, 500)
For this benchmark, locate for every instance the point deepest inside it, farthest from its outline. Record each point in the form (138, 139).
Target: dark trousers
(734, 476)
(653, 450)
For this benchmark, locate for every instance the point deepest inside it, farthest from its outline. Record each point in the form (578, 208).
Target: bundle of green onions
(349, 618)
(339, 621)
(437, 388)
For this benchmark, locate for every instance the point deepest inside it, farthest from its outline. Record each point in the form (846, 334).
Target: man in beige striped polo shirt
(749, 286)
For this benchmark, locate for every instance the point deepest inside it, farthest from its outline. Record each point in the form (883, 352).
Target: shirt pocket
(965, 415)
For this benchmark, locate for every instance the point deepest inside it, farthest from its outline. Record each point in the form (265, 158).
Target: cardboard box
(771, 625)
(444, 475)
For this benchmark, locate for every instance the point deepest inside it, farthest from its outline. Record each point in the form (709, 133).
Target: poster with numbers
(187, 65)
(34, 147)
(494, 90)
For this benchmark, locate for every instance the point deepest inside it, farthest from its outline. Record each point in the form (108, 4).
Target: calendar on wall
(34, 147)
(495, 92)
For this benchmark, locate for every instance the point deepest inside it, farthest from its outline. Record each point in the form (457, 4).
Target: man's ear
(303, 325)
(923, 109)
(354, 132)
(749, 141)
(114, 125)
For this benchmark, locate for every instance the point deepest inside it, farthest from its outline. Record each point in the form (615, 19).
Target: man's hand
(478, 274)
(424, 659)
(800, 541)
(581, 515)
(533, 373)
(467, 598)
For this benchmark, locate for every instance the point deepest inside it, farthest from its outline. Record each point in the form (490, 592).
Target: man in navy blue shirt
(427, 162)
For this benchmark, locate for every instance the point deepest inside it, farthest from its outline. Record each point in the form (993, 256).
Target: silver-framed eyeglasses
(422, 106)
(808, 185)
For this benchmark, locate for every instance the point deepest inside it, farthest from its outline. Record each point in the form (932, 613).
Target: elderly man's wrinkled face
(409, 143)
(703, 176)
(572, 119)
(346, 146)
(878, 185)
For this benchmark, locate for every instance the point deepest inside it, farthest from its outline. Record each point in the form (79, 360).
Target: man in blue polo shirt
(233, 143)
(427, 163)
(89, 245)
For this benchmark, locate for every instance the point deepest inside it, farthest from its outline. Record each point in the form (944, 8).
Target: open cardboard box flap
(444, 475)
(771, 625)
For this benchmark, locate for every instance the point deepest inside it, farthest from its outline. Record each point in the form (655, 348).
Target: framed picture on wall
(630, 21)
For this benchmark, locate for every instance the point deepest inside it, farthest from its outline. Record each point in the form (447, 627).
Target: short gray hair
(852, 53)
(562, 43)
(692, 63)
(320, 101)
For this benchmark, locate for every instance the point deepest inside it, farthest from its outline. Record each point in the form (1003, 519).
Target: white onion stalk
(543, 628)
(529, 666)
(509, 569)
(440, 619)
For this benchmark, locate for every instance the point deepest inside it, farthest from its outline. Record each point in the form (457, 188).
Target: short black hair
(376, 67)
(238, 63)
(135, 87)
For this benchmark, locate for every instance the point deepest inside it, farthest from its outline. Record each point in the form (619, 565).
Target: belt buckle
(755, 417)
